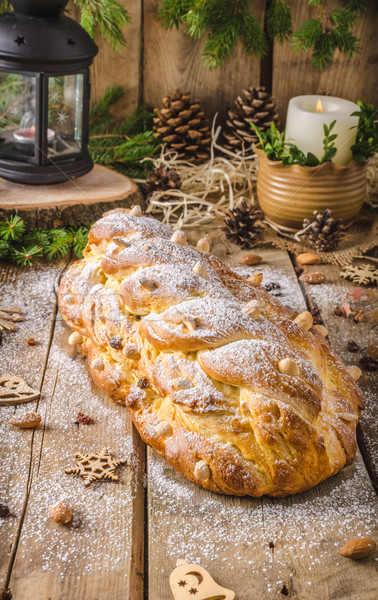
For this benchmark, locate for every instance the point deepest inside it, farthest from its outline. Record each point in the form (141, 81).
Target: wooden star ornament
(97, 466)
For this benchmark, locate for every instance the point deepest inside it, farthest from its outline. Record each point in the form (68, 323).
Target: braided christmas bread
(240, 395)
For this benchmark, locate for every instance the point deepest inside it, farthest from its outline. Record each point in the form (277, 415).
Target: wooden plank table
(125, 538)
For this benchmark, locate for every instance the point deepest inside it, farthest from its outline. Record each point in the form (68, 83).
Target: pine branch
(106, 17)
(279, 22)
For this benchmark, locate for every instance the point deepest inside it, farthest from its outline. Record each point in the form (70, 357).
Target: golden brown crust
(199, 357)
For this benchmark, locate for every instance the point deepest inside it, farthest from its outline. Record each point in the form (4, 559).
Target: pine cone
(182, 126)
(243, 225)
(162, 179)
(254, 105)
(324, 232)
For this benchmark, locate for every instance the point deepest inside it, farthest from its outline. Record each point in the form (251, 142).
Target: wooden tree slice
(75, 202)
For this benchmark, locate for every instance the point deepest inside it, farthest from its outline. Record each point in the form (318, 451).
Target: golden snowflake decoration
(361, 274)
(97, 466)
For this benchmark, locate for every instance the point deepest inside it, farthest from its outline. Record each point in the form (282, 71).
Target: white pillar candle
(304, 125)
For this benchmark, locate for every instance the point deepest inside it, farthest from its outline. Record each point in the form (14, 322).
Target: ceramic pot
(288, 194)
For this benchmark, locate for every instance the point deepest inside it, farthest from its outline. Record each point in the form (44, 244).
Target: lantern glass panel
(65, 115)
(17, 116)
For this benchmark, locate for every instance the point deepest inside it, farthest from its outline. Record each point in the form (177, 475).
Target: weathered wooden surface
(100, 554)
(260, 548)
(172, 59)
(353, 79)
(263, 548)
(75, 202)
(120, 68)
(156, 61)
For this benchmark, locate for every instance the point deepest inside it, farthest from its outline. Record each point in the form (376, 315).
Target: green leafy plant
(367, 132)
(25, 248)
(224, 22)
(274, 146)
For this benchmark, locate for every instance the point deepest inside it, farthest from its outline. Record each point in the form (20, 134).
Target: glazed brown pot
(288, 194)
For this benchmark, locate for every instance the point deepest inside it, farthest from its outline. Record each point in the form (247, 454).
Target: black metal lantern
(44, 93)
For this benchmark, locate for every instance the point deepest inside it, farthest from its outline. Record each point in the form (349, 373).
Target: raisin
(4, 510)
(274, 288)
(352, 346)
(298, 270)
(315, 311)
(368, 363)
(83, 419)
(143, 383)
(116, 342)
(338, 311)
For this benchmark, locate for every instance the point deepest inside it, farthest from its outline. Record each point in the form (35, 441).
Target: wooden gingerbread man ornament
(193, 582)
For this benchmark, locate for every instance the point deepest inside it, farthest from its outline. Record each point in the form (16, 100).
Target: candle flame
(32, 128)
(319, 106)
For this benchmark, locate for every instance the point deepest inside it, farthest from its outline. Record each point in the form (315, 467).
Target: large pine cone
(183, 128)
(254, 105)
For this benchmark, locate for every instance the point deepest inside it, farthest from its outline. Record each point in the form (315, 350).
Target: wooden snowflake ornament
(97, 466)
(361, 274)
(192, 582)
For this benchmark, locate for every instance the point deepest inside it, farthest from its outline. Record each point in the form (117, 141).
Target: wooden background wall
(156, 61)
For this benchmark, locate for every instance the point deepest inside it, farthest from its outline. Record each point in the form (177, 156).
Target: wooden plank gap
(266, 63)
(30, 471)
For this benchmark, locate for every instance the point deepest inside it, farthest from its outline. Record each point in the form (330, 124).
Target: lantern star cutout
(97, 466)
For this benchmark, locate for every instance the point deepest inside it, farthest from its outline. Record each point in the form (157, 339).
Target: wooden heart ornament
(193, 582)
(14, 390)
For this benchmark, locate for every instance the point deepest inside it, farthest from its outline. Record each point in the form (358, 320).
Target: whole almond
(307, 259)
(305, 320)
(315, 277)
(60, 513)
(358, 548)
(251, 259)
(256, 279)
(25, 420)
(372, 351)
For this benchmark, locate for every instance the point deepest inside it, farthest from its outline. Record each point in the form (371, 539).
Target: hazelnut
(60, 513)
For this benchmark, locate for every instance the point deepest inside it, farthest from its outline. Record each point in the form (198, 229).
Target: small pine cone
(254, 105)
(160, 180)
(181, 125)
(243, 225)
(324, 232)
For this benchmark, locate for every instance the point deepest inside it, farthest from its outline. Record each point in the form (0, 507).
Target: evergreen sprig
(106, 17)
(224, 22)
(124, 146)
(25, 248)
